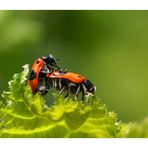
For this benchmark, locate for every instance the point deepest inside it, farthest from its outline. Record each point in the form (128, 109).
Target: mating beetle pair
(45, 74)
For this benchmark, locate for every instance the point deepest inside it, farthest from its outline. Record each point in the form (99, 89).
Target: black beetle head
(50, 59)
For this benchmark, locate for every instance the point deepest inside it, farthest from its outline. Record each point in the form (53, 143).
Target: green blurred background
(110, 48)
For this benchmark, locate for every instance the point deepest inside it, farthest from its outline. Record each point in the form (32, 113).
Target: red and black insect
(40, 68)
(71, 83)
(45, 74)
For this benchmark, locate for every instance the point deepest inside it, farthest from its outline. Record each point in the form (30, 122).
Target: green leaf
(23, 114)
(27, 115)
(136, 130)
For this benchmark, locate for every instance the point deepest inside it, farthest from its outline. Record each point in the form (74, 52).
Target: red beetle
(34, 75)
(70, 83)
(40, 68)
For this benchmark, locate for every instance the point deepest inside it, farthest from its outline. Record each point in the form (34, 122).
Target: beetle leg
(61, 91)
(44, 69)
(55, 83)
(67, 91)
(84, 91)
(78, 90)
(60, 84)
(77, 93)
(44, 90)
